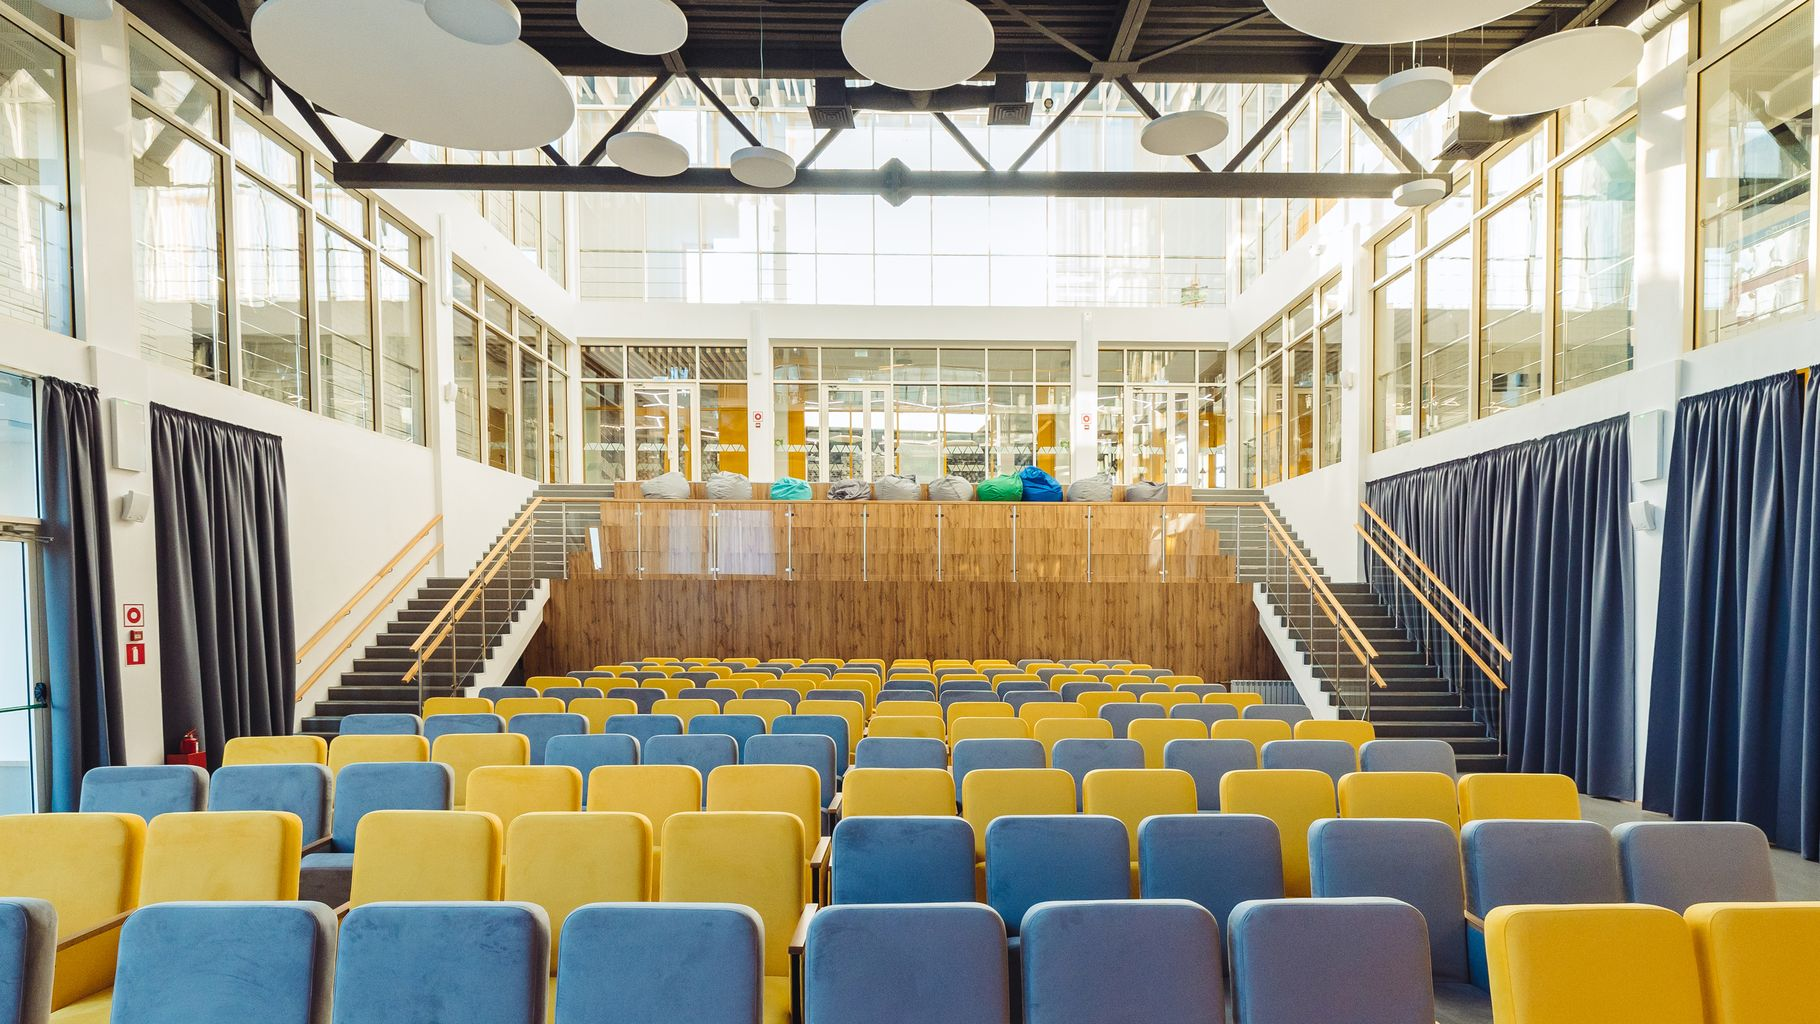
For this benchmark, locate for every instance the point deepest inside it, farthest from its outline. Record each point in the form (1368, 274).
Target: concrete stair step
(342, 708)
(1424, 730)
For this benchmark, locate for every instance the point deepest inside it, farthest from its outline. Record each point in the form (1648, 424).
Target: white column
(761, 426)
(1083, 425)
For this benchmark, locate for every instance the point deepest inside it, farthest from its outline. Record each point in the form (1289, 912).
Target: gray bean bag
(729, 487)
(671, 486)
(1145, 490)
(896, 488)
(850, 490)
(950, 488)
(1094, 488)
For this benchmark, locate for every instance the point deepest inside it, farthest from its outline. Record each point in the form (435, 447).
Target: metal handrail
(496, 552)
(1485, 667)
(1454, 599)
(355, 634)
(1309, 579)
(1280, 533)
(360, 595)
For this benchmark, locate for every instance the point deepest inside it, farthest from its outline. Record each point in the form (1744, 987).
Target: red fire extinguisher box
(189, 752)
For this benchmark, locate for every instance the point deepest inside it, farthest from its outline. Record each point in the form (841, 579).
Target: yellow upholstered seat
(897, 792)
(1598, 964)
(1169, 701)
(989, 793)
(275, 750)
(457, 706)
(564, 861)
(1060, 679)
(542, 683)
(86, 866)
(1427, 795)
(1757, 960)
(980, 709)
(654, 790)
(942, 663)
(686, 708)
(852, 711)
(509, 707)
(907, 709)
(1258, 730)
(1153, 734)
(1177, 682)
(671, 686)
(1516, 795)
(598, 709)
(1294, 798)
(1035, 713)
(361, 749)
(506, 791)
(1352, 730)
(1051, 731)
(464, 752)
(1133, 794)
(802, 682)
(922, 663)
(768, 708)
(221, 855)
(1095, 700)
(1237, 700)
(919, 726)
(978, 728)
(792, 789)
(419, 856)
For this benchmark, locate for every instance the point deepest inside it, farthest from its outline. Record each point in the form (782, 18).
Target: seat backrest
(983, 728)
(1756, 959)
(598, 709)
(298, 749)
(901, 752)
(1411, 860)
(1336, 758)
(381, 786)
(1515, 861)
(643, 698)
(414, 962)
(1208, 761)
(1096, 696)
(875, 963)
(221, 855)
(1050, 731)
(1537, 797)
(1552, 964)
(586, 753)
(1408, 755)
(924, 726)
(720, 695)
(145, 790)
(793, 789)
(87, 866)
(644, 728)
(992, 793)
(1200, 690)
(538, 727)
(28, 953)
(1122, 715)
(903, 860)
(1133, 795)
(433, 706)
(774, 694)
(1294, 799)
(1287, 713)
(1169, 701)
(1239, 700)
(1037, 713)
(1428, 795)
(1676, 864)
(1257, 730)
(1347, 730)
(437, 726)
(1173, 861)
(752, 858)
(897, 791)
(358, 748)
(853, 712)
(464, 752)
(1067, 947)
(544, 684)
(1033, 859)
(974, 754)
(686, 710)
(605, 973)
(1155, 735)
(1362, 959)
(741, 728)
(704, 752)
(426, 856)
(301, 789)
(506, 791)
(564, 861)
(570, 694)
(1078, 757)
(499, 693)
(1018, 699)
(380, 725)
(833, 727)
(654, 790)
(171, 955)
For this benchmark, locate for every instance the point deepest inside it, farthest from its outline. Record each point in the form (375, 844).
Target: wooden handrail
(1447, 592)
(1307, 575)
(470, 590)
(1295, 555)
(1434, 612)
(342, 648)
(496, 551)
(360, 595)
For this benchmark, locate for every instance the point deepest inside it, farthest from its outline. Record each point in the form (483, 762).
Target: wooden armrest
(1475, 920)
(319, 846)
(342, 911)
(834, 805)
(823, 850)
(85, 962)
(800, 937)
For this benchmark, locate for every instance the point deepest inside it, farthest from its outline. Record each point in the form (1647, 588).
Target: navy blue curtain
(1536, 540)
(1729, 717)
(1800, 791)
(85, 718)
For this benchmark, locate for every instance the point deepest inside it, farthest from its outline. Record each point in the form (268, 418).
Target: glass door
(859, 439)
(1163, 442)
(23, 731)
(664, 430)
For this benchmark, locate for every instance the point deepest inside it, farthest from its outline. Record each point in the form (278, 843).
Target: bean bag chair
(850, 490)
(1038, 485)
(790, 488)
(672, 486)
(729, 487)
(1002, 488)
(896, 488)
(1094, 488)
(950, 488)
(1144, 490)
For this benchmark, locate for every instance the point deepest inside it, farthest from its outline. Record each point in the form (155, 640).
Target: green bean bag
(1001, 488)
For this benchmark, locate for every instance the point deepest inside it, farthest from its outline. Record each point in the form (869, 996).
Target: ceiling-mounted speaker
(87, 10)
(1421, 192)
(1011, 104)
(832, 107)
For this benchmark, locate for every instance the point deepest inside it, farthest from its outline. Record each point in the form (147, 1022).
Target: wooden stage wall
(1204, 627)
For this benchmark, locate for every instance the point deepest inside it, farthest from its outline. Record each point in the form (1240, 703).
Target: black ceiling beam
(1053, 36)
(631, 114)
(1271, 123)
(1131, 25)
(1376, 128)
(1196, 40)
(1067, 111)
(384, 149)
(307, 111)
(1143, 103)
(1343, 56)
(725, 111)
(554, 154)
(967, 144)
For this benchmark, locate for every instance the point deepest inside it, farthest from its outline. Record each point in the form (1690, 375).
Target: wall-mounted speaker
(135, 507)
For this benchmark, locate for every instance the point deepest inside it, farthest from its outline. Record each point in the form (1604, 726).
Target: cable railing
(347, 609)
(1457, 643)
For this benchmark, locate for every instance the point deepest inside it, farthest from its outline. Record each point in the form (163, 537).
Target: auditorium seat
(1050, 731)
(367, 748)
(812, 751)
(768, 708)
(791, 789)
(456, 706)
(685, 710)
(972, 755)
(1592, 965)
(643, 698)
(1155, 735)
(833, 727)
(437, 726)
(88, 868)
(993, 793)
(596, 710)
(1039, 858)
(1169, 701)
(381, 725)
(1409, 755)
(1756, 960)
(464, 752)
(924, 726)
(1515, 795)
(657, 791)
(1036, 713)
(982, 728)
(1077, 757)
(1294, 799)
(1122, 715)
(1174, 860)
(1289, 714)
(851, 712)
(1676, 864)
(897, 791)
(419, 856)
(906, 965)
(506, 791)
(1131, 796)
(411, 963)
(1350, 730)
(563, 861)
(544, 684)
(587, 752)
(301, 789)
(1093, 694)
(144, 790)
(645, 728)
(704, 753)
(570, 694)
(28, 953)
(895, 708)
(1411, 860)
(621, 959)
(327, 875)
(1335, 758)
(739, 728)
(1020, 699)
(861, 696)
(499, 693)
(1516, 862)
(1428, 795)
(1208, 761)
(221, 855)
(1068, 948)
(1258, 731)
(1310, 960)
(900, 752)
(1005, 686)
(1200, 690)
(902, 860)
(1237, 700)
(275, 750)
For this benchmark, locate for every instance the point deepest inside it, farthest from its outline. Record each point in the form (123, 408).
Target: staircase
(1416, 701)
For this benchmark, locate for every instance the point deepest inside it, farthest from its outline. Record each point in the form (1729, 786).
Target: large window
(1288, 411)
(1596, 301)
(684, 406)
(1162, 415)
(22, 669)
(511, 383)
(35, 267)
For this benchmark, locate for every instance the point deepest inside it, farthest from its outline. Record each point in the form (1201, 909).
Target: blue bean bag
(1038, 485)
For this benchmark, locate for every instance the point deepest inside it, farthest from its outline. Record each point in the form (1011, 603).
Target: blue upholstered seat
(499, 693)
(906, 964)
(644, 676)
(1518, 862)
(832, 726)
(437, 726)
(644, 727)
(302, 789)
(1209, 761)
(856, 696)
(907, 691)
(901, 752)
(28, 950)
(146, 790)
(1011, 686)
(742, 728)
(720, 695)
(903, 860)
(651, 962)
(702, 752)
(225, 963)
(964, 684)
(950, 697)
(1072, 691)
(569, 693)
(370, 786)
(1140, 689)
(644, 698)
(1408, 755)
(1409, 859)
(1032, 859)
(1357, 960)
(1201, 689)
(699, 677)
(1122, 715)
(1216, 860)
(783, 693)
(1077, 757)
(809, 749)
(1335, 757)
(1206, 714)
(994, 753)
(1676, 864)
(381, 725)
(1018, 698)
(540, 727)
(590, 751)
(444, 963)
(1121, 960)
(1290, 713)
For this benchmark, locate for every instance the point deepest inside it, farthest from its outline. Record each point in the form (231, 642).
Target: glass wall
(511, 383)
(683, 405)
(35, 259)
(1162, 416)
(22, 726)
(1289, 391)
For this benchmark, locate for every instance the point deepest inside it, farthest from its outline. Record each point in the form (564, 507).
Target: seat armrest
(85, 962)
(1475, 921)
(800, 937)
(319, 846)
(834, 805)
(818, 868)
(798, 940)
(341, 912)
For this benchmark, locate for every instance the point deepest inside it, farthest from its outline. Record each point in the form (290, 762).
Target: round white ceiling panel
(1374, 22)
(385, 64)
(1411, 92)
(1421, 192)
(763, 167)
(917, 45)
(647, 27)
(1184, 132)
(487, 22)
(648, 153)
(87, 10)
(1556, 70)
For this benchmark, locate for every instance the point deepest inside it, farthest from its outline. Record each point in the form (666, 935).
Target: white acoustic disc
(87, 10)
(487, 22)
(1421, 192)
(384, 64)
(1411, 92)
(763, 167)
(648, 153)
(648, 27)
(1389, 21)
(1184, 132)
(917, 45)
(1556, 70)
